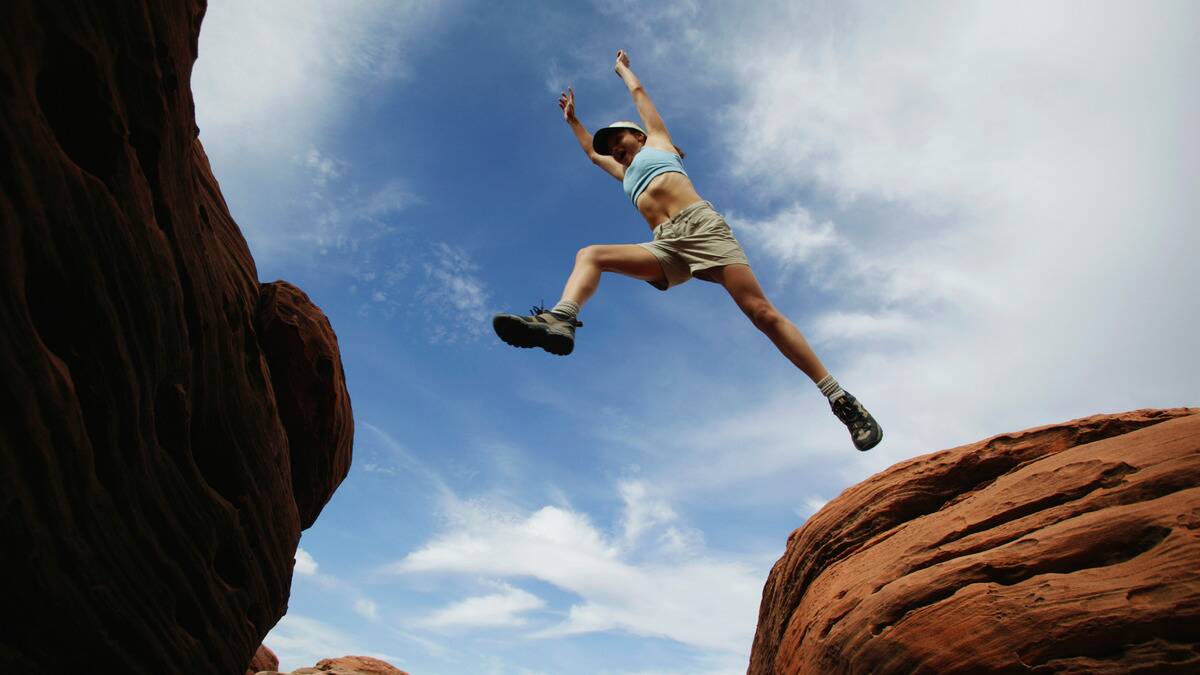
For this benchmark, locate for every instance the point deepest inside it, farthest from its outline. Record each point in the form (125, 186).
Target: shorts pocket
(713, 222)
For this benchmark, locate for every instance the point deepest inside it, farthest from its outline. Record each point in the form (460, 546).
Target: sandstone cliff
(1067, 548)
(169, 426)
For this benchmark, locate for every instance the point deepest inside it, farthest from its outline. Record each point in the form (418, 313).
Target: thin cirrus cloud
(455, 294)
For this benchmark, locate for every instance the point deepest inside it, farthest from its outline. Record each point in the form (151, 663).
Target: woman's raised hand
(622, 60)
(567, 102)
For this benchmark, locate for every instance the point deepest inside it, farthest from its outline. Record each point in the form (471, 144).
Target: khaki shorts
(696, 239)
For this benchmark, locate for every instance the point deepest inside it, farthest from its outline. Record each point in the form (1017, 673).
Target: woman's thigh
(630, 260)
(741, 283)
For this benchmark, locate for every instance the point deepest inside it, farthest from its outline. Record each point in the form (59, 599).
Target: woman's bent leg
(630, 260)
(743, 286)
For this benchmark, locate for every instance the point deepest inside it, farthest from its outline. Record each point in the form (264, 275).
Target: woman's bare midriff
(666, 195)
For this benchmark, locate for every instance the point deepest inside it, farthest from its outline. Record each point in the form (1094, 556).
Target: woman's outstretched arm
(656, 129)
(610, 165)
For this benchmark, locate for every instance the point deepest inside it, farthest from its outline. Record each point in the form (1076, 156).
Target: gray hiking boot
(542, 329)
(864, 430)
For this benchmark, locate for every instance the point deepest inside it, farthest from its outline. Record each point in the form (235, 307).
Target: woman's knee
(764, 315)
(588, 255)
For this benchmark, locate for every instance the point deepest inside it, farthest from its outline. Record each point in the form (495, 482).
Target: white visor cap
(600, 138)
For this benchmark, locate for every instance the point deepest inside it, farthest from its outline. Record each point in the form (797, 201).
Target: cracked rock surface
(1065, 548)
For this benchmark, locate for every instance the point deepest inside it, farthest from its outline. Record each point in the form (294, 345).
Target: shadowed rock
(1065, 548)
(148, 518)
(310, 391)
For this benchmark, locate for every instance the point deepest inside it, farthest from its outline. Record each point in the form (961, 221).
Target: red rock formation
(357, 665)
(1065, 548)
(147, 513)
(346, 665)
(310, 390)
(264, 659)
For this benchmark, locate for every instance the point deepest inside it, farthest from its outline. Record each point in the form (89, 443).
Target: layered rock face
(168, 427)
(1066, 548)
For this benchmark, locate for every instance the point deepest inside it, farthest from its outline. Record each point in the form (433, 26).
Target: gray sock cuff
(566, 309)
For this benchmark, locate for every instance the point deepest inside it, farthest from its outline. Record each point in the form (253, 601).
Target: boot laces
(541, 309)
(851, 414)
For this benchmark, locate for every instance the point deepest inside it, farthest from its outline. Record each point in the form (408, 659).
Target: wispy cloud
(272, 75)
(643, 512)
(810, 506)
(504, 609)
(301, 641)
(271, 82)
(454, 295)
(998, 204)
(697, 600)
(307, 569)
(384, 453)
(305, 565)
(366, 608)
(323, 167)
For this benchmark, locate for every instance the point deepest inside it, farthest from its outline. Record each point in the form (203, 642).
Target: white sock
(565, 309)
(830, 388)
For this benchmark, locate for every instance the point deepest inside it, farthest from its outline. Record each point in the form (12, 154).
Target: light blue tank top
(648, 163)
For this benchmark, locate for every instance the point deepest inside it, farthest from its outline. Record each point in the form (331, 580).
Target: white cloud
(323, 168)
(273, 74)
(366, 608)
(300, 641)
(307, 567)
(999, 221)
(642, 511)
(273, 79)
(810, 506)
(792, 237)
(838, 326)
(305, 564)
(496, 610)
(454, 295)
(699, 601)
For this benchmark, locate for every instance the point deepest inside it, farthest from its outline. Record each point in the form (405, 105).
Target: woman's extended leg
(743, 286)
(628, 259)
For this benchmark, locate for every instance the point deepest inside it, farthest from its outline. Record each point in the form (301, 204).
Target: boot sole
(518, 333)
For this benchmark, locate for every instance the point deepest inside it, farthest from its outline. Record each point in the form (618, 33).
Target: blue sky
(983, 217)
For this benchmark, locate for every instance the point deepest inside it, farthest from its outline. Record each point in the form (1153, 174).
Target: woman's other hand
(567, 103)
(622, 61)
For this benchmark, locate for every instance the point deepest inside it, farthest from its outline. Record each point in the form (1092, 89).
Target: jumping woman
(690, 239)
